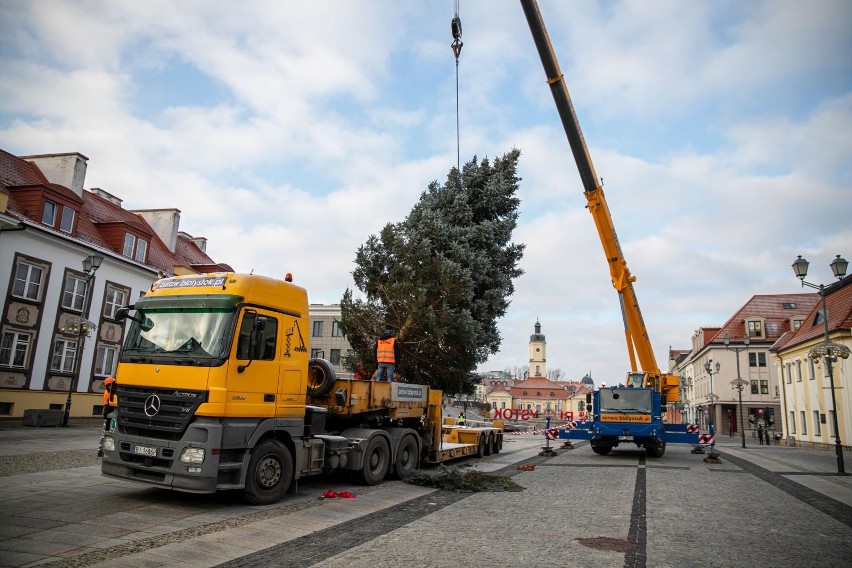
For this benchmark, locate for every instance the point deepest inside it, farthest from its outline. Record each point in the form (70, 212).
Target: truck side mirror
(122, 313)
(588, 399)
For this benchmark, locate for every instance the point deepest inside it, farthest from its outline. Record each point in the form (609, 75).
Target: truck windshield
(180, 331)
(625, 400)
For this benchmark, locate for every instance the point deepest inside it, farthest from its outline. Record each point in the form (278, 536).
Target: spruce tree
(441, 278)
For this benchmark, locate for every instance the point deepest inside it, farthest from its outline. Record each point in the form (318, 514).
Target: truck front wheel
(655, 449)
(376, 462)
(270, 473)
(601, 449)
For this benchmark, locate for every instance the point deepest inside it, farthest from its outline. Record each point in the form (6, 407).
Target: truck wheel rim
(268, 472)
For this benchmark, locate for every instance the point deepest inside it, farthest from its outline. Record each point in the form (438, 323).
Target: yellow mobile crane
(620, 414)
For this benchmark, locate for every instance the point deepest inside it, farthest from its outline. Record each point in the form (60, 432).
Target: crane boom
(636, 334)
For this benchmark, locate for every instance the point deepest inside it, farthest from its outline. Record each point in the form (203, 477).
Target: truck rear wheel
(601, 449)
(489, 444)
(270, 473)
(407, 457)
(376, 462)
(480, 447)
(497, 443)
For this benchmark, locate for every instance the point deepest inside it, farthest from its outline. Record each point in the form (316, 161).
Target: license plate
(625, 438)
(143, 451)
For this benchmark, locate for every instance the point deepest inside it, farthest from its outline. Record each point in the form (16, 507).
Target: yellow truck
(216, 391)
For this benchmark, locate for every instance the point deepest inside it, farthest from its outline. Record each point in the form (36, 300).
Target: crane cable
(457, 44)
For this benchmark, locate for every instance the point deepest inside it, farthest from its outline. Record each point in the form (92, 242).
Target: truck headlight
(109, 444)
(192, 455)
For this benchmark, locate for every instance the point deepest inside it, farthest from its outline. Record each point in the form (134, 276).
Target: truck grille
(157, 413)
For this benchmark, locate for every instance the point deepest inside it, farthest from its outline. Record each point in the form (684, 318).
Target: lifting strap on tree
(457, 44)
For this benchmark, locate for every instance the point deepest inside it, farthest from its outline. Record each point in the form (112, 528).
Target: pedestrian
(387, 356)
(760, 433)
(109, 393)
(460, 420)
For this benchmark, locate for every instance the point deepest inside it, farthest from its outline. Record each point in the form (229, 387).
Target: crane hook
(456, 28)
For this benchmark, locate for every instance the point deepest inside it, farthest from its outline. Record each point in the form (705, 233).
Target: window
(817, 427)
(317, 330)
(105, 361)
(812, 369)
(28, 281)
(48, 216)
(114, 300)
(335, 357)
(141, 250)
(754, 387)
(764, 386)
(752, 359)
(789, 306)
(804, 423)
(502, 404)
(64, 351)
(797, 323)
(74, 293)
(335, 329)
(67, 222)
(15, 349)
(129, 245)
(761, 359)
(792, 422)
(267, 339)
(755, 329)
(789, 374)
(317, 354)
(799, 371)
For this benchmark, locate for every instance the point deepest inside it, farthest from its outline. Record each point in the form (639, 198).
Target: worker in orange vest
(109, 392)
(387, 356)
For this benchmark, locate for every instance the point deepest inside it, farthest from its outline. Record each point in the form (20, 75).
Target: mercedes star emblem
(152, 405)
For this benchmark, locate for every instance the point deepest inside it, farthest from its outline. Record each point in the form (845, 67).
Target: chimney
(68, 170)
(165, 223)
(200, 242)
(106, 195)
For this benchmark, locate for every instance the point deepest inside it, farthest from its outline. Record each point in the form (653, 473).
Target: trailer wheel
(270, 473)
(489, 444)
(655, 450)
(407, 457)
(601, 449)
(321, 377)
(376, 462)
(480, 448)
(497, 443)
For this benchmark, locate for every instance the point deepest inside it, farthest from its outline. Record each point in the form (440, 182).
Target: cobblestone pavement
(762, 506)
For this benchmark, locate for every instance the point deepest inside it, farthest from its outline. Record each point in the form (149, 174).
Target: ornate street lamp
(712, 398)
(81, 328)
(739, 384)
(828, 350)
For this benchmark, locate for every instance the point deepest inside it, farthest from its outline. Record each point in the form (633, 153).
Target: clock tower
(538, 356)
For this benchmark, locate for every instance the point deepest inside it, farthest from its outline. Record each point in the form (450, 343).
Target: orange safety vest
(107, 396)
(384, 354)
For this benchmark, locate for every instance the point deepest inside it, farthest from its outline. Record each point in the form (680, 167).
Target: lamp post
(740, 383)
(712, 398)
(828, 350)
(80, 328)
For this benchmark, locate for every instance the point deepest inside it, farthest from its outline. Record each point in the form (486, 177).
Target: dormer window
(48, 216)
(134, 248)
(65, 214)
(796, 324)
(67, 223)
(755, 328)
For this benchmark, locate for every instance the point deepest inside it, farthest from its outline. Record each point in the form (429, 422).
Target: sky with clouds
(288, 132)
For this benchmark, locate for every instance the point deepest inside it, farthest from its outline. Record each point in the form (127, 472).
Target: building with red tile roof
(810, 406)
(48, 225)
(708, 392)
